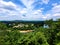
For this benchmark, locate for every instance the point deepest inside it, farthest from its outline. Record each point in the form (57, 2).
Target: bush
(16, 38)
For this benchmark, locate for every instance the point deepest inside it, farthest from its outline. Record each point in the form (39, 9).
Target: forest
(10, 33)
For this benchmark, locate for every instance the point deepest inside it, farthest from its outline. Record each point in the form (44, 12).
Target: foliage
(40, 36)
(3, 26)
(16, 38)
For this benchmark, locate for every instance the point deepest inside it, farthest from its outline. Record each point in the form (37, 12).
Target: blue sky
(30, 10)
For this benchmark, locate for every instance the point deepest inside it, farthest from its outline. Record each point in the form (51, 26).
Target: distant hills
(21, 21)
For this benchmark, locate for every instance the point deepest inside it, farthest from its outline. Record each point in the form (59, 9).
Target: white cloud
(4, 8)
(45, 1)
(36, 12)
(33, 15)
(54, 4)
(6, 13)
(18, 12)
(57, 15)
(54, 13)
(28, 3)
(27, 13)
(56, 9)
(7, 4)
(23, 11)
(47, 16)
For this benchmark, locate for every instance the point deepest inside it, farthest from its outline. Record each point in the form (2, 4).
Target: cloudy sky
(34, 10)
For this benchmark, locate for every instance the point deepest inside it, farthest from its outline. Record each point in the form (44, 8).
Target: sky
(29, 10)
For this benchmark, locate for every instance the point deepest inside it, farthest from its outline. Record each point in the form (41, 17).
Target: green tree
(3, 26)
(49, 22)
(57, 40)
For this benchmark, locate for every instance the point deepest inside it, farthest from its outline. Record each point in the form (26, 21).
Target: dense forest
(10, 33)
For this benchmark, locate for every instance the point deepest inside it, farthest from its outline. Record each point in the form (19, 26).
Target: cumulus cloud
(8, 8)
(11, 11)
(54, 13)
(54, 4)
(28, 3)
(45, 1)
(56, 9)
